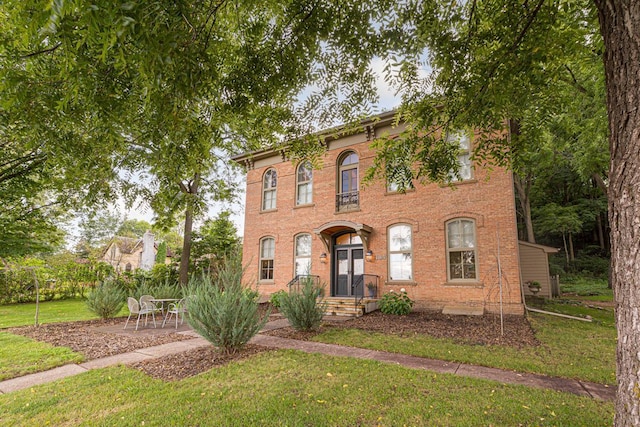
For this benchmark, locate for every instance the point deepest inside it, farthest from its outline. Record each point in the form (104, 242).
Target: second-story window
(465, 170)
(269, 185)
(348, 196)
(304, 184)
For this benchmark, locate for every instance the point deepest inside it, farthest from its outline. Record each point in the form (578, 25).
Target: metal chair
(179, 309)
(135, 308)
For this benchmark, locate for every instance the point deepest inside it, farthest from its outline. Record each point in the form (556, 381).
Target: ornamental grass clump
(302, 308)
(106, 300)
(222, 309)
(396, 303)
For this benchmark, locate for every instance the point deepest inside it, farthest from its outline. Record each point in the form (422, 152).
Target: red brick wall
(488, 199)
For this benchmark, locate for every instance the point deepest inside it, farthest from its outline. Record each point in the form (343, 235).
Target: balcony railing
(347, 201)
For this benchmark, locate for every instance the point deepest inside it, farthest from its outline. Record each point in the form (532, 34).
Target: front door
(349, 268)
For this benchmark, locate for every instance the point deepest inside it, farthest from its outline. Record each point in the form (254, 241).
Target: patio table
(162, 301)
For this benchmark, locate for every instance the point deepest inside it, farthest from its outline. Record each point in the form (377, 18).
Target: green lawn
(21, 355)
(569, 348)
(50, 312)
(287, 388)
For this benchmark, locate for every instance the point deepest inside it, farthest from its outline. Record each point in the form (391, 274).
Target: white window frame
(462, 248)
(269, 187)
(307, 184)
(302, 261)
(465, 166)
(267, 255)
(391, 251)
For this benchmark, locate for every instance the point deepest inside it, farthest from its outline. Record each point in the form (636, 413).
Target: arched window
(269, 185)
(348, 196)
(461, 250)
(267, 255)
(400, 244)
(303, 254)
(304, 184)
(463, 139)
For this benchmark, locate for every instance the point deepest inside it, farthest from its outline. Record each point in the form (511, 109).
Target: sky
(388, 100)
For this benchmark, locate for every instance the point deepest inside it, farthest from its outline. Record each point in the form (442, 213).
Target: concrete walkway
(581, 388)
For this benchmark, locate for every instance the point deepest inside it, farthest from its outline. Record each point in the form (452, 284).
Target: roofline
(383, 118)
(547, 249)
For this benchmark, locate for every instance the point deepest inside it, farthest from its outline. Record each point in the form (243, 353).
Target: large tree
(146, 98)
(491, 63)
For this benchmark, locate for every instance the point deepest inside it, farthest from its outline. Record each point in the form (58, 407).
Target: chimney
(148, 253)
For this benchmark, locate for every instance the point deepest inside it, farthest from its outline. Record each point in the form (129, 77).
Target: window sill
(266, 282)
(394, 193)
(269, 211)
(308, 205)
(469, 284)
(347, 211)
(464, 182)
(400, 283)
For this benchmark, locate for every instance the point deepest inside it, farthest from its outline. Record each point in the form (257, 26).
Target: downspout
(537, 310)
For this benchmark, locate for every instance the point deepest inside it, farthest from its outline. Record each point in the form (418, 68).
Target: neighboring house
(447, 247)
(130, 254)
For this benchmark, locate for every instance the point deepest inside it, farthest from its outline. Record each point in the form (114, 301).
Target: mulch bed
(84, 338)
(475, 330)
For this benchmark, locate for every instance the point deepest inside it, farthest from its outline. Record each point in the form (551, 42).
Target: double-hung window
(461, 250)
(269, 186)
(303, 254)
(400, 253)
(304, 184)
(465, 170)
(267, 254)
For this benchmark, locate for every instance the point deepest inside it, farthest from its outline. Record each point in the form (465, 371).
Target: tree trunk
(620, 27)
(566, 252)
(522, 187)
(600, 229)
(190, 190)
(572, 255)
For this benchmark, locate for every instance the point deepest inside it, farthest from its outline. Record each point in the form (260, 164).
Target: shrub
(301, 307)
(106, 300)
(163, 290)
(396, 303)
(276, 298)
(222, 310)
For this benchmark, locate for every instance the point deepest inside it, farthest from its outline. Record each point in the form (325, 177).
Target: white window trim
(456, 137)
(261, 259)
(389, 252)
(305, 257)
(450, 250)
(309, 183)
(271, 189)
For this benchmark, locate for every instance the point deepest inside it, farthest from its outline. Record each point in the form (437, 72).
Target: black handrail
(347, 200)
(296, 281)
(368, 282)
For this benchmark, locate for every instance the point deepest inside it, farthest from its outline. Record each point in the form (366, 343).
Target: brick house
(445, 246)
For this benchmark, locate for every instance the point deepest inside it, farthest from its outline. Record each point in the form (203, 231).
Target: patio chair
(146, 301)
(179, 309)
(134, 308)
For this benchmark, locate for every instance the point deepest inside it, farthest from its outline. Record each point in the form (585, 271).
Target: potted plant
(534, 286)
(372, 289)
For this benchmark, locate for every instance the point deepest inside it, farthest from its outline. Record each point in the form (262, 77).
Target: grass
(21, 356)
(582, 286)
(287, 388)
(569, 348)
(50, 311)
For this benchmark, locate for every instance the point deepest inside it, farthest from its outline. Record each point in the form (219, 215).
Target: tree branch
(41, 52)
